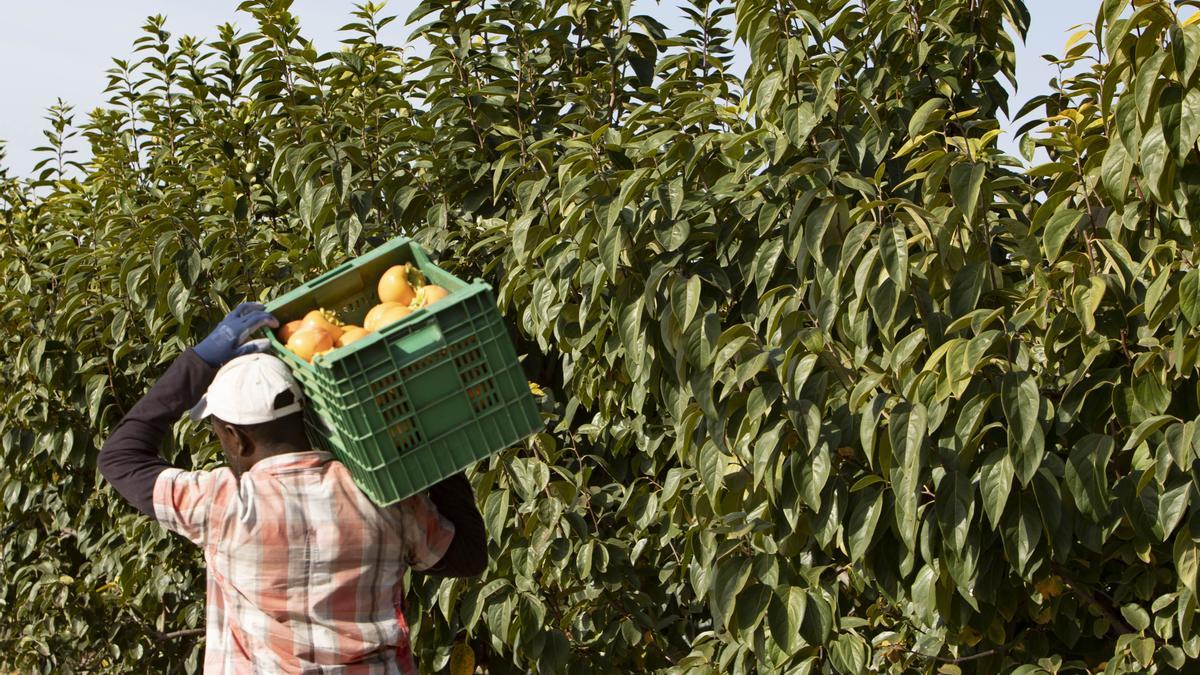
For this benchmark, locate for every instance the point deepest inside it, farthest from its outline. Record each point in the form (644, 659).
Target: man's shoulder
(211, 478)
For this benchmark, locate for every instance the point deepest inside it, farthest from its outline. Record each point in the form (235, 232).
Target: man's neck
(275, 451)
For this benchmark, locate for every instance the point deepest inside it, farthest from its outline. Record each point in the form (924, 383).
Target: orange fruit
(393, 313)
(322, 321)
(286, 331)
(350, 334)
(371, 322)
(308, 342)
(394, 285)
(430, 294)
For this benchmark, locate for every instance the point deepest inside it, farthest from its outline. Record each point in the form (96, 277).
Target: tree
(833, 384)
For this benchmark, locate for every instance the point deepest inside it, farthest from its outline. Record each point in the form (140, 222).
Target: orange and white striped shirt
(305, 573)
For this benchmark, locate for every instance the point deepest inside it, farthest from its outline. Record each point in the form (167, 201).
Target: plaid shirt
(305, 574)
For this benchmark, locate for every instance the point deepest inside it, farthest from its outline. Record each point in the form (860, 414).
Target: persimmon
(429, 294)
(396, 285)
(288, 329)
(308, 342)
(350, 334)
(322, 320)
(393, 313)
(371, 322)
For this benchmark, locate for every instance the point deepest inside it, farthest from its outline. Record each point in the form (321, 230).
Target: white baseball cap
(244, 390)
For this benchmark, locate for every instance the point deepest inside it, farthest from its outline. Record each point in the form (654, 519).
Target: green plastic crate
(420, 399)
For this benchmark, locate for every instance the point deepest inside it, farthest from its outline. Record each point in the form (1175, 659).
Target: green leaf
(1148, 83)
(1020, 400)
(1028, 533)
(611, 245)
(1129, 128)
(95, 395)
(1155, 162)
(966, 183)
(1189, 297)
(1186, 554)
(1137, 617)
(1142, 648)
(1154, 293)
(921, 116)
(955, 508)
(712, 468)
(907, 428)
(692, 300)
(751, 606)
(785, 615)
(1086, 475)
(555, 654)
(1185, 45)
(1116, 171)
(860, 531)
(818, 619)
(816, 225)
(1172, 505)
(1189, 123)
(766, 450)
(967, 287)
(924, 594)
(893, 248)
(1147, 427)
(731, 576)
(495, 510)
(848, 654)
(673, 233)
(1170, 112)
(1028, 147)
(765, 262)
(1178, 439)
(1058, 229)
(812, 475)
(995, 484)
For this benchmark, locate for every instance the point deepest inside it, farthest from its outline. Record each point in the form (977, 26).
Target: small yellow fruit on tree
(462, 659)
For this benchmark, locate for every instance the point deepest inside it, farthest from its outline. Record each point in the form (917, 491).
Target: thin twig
(963, 659)
(191, 632)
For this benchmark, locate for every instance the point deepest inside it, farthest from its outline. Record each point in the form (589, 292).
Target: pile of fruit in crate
(402, 290)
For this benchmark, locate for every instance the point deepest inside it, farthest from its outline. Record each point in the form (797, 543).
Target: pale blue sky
(62, 49)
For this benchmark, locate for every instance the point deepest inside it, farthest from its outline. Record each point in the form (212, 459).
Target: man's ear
(234, 440)
(241, 440)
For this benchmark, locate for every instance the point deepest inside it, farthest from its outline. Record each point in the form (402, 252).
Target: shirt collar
(291, 460)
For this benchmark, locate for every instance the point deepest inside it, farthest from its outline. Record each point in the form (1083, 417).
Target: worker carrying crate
(306, 547)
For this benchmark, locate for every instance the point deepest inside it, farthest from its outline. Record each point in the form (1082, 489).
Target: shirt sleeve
(427, 534)
(468, 554)
(183, 501)
(129, 459)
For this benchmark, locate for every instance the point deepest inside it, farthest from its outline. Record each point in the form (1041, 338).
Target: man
(305, 574)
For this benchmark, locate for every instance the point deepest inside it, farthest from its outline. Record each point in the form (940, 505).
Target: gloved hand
(228, 339)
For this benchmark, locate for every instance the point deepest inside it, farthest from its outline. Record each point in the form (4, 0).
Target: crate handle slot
(329, 275)
(422, 341)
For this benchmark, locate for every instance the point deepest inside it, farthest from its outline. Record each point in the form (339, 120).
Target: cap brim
(200, 410)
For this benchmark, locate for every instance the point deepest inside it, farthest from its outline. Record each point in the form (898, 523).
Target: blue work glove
(228, 339)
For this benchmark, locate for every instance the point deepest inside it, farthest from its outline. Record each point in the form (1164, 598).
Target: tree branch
(1114, 619)
(964, 659)
(159, 636)
(191, 632)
